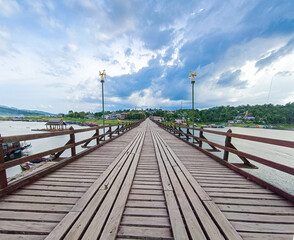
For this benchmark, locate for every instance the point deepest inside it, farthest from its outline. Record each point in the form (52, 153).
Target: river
(12, 128)
(277, 154)
(282, 155)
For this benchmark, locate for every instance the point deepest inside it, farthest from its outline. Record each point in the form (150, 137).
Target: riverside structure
(143, 182)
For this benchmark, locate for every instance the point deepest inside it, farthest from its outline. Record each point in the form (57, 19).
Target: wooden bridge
(145, 184)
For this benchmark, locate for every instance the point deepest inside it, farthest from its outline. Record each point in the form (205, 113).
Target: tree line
(266, 113)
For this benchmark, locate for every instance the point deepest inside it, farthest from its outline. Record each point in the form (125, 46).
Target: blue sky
(51, 53)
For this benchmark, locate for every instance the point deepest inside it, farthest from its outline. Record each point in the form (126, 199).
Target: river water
(12, 128)
(282, 155)
(277, 154)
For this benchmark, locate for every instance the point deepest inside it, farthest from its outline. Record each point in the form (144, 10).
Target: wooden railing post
(200, 136)
(109, 130)
(230, 145)
(188, 132)
(72, 140)
(97, 133)
(118, 130)
(227, 144)
(3, 177)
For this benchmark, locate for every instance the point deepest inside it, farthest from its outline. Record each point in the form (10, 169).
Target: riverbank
(77, 121)
(289, 127)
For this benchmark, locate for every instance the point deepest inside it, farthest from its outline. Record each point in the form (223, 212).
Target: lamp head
(102, 74)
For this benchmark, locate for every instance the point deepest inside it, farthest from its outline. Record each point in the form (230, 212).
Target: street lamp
(192, 78)
(103, 75)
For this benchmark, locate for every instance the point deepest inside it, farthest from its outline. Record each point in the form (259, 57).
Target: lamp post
(103, 75)
(192, 78)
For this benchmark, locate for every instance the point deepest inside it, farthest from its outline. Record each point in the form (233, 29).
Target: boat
(14, 150)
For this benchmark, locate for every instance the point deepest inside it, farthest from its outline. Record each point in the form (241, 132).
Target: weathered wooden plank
(112, 185)
(237, 190)
(272, 236)
(28, 192)
(55, 188)
(192, 223)
(64, 184)
(30, 216)
(145, 232)
(177, 223)
(244, 195)
(264, 227)
(62, 228)
(261, 218)
(68, 179)
(146, 204)
(5, 236)
(152, 187)
(38, 199)
(26, 227)
(146, 191)
(110, 172)
(145, 212)
(254, 202)
(145, 221)
(174, 171)
(111, 228)
(220, 219)
(36, 207)
(257, 209)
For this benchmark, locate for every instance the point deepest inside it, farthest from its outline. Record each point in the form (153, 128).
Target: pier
(145, 180)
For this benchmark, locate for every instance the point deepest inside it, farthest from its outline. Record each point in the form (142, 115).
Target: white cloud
(9, 7)
(5, 41)
(258, 81)
(149, 98)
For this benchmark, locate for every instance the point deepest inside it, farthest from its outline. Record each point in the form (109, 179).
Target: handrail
(28, 137)
(277, 142)
(228, 147)
(71, 144)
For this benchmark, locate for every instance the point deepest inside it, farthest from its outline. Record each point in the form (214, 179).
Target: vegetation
(136, 115)
(282, 116)
(263, 114)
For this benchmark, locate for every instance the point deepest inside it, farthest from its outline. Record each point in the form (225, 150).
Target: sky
(51, 52)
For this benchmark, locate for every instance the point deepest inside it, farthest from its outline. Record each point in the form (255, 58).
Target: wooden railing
(228, 147)
(111, 132)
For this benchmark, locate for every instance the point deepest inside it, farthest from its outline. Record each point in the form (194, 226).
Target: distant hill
(14, 112)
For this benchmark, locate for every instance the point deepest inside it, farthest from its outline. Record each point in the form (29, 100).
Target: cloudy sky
(51, 53)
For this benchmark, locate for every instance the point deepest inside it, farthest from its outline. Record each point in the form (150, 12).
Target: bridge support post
(97, 134)
(3, 177)
(118, 130)
(200, 137)
(227, 144)
(72, 141)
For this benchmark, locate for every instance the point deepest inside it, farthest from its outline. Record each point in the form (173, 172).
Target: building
(156, 118)
(123, 115)
(55, 124)
(180, 121)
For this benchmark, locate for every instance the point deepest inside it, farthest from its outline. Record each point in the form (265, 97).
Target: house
(180, 120)
(60, 115)
(90, 116)
(55, 124)
(156, 118)
(123, 115)
(231, 121)
(249, 118)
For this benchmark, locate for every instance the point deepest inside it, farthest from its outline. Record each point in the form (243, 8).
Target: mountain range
(14, 112)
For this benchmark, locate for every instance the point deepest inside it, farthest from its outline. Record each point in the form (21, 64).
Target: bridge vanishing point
(144, 184)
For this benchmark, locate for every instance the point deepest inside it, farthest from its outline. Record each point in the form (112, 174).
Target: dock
(143, 183)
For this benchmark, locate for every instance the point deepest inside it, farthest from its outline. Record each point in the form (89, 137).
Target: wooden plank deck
(146, 184)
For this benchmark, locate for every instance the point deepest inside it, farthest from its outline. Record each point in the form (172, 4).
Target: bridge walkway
(146, 184)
